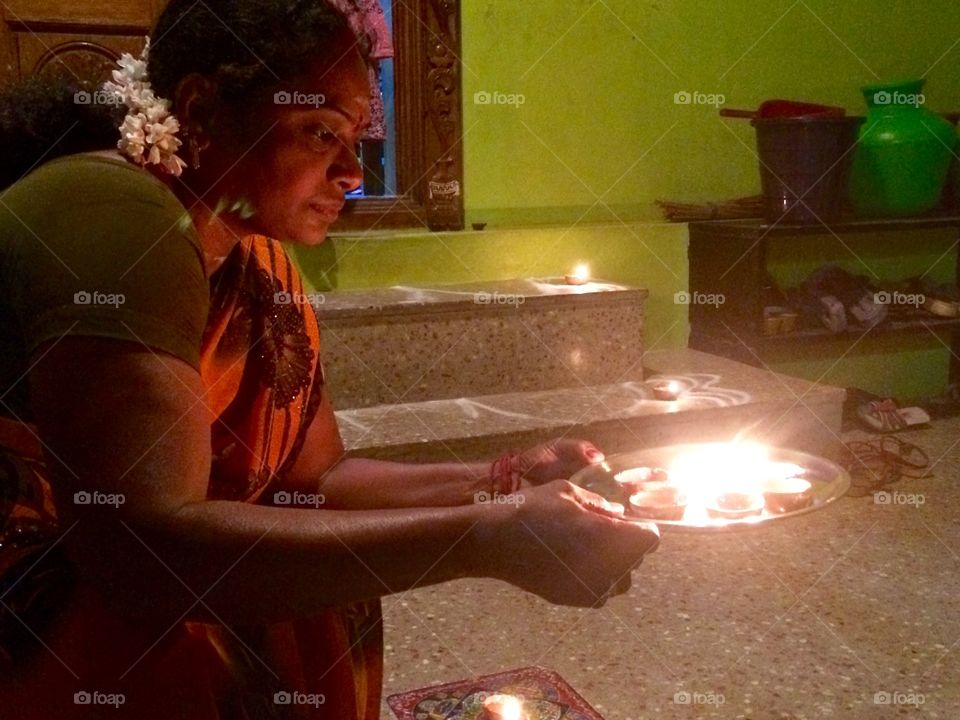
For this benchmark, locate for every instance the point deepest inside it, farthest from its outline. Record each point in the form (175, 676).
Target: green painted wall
(653, 256)
(573, 170)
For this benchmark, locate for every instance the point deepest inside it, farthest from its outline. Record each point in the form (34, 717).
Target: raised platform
(409, 345)
(720, 399)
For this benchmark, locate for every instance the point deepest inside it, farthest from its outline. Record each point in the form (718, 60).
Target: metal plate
(829, 481)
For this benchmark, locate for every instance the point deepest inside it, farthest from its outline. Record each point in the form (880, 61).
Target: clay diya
(783, 495)
(735, 505)
(658, 501)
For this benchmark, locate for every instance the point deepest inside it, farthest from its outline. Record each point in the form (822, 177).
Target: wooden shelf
(894, 326)
(758, 228)
(704, 332)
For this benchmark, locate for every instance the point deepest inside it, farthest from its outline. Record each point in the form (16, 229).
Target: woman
(183, 537)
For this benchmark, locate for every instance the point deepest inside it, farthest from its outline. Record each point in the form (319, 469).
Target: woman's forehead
(340, 83)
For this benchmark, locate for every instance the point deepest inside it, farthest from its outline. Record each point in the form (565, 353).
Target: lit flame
(717, 468)
(581, 272)
(503, 707)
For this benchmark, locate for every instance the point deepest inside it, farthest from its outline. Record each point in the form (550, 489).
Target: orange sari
(260, 366)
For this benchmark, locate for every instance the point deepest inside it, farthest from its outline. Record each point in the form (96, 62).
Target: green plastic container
(903, 153)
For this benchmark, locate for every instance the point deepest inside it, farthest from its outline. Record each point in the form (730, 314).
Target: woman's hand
(567, 545)
(555, 460)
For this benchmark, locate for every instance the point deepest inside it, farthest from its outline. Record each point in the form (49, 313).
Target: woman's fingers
(578, 452)
(596, 503)
(621, 586)
(586, 550)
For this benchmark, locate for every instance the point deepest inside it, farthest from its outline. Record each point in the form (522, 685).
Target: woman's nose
(346, 169)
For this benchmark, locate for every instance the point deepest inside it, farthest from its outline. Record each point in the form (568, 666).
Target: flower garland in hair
(148, 135)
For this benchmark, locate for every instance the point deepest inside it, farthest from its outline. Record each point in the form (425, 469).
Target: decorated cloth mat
(544, 694)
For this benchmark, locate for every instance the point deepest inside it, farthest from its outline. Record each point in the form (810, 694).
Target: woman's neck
(218, 233)
(217, 237)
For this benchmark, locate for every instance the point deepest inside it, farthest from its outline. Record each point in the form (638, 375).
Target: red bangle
(505, 475)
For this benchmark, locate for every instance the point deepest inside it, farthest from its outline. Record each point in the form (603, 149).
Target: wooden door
(79, 41)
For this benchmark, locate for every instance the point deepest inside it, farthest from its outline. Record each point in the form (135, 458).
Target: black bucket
(804, 163)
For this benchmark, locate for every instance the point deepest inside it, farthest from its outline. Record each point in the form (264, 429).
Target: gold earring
(194, 147)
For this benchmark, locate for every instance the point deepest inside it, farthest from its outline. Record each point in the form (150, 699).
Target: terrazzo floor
(850, 612)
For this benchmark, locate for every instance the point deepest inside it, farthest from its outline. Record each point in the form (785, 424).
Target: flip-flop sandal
(875, 465)
(885, 416)
(910, 459)
(832, 314)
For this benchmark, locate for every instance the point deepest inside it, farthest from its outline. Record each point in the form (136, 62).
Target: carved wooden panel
(74, 39)
(88, 15)
(445, 179)
(9, 61)
(85, 61)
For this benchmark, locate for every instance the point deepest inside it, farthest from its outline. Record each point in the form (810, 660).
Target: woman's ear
(194, 103)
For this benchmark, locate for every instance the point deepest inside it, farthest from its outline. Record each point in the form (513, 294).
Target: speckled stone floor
(850, 612)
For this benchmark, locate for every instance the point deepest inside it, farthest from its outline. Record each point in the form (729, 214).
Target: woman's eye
(324, 135)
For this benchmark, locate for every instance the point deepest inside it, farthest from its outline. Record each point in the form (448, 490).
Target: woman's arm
(126, 422)
(362, 483)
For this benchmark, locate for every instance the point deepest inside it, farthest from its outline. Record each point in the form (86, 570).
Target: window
(426, 161)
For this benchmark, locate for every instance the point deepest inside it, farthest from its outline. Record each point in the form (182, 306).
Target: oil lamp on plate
(503, 707)
(716, 485)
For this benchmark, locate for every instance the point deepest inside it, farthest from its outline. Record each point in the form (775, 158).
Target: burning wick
(579, 276)
(666, 391)
(503, 707)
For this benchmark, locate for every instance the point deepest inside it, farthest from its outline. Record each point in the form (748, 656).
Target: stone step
(408, 345)
(720, 399)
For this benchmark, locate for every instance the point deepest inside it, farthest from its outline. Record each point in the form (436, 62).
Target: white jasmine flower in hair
(158, 111)
(148, 134)
(173, 164)
(163, 135)
(131, 67)
(133, 137)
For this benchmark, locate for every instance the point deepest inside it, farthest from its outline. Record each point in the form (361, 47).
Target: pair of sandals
(838, 298)
(875, 465)
(884, 416)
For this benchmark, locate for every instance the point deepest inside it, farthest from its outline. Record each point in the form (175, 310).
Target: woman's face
(295, 174)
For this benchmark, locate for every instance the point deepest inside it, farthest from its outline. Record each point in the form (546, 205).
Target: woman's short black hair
(249, 47)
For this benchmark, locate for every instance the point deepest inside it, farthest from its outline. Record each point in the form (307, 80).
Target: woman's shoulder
(93, 246)
(101, 175)
(96, 199)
